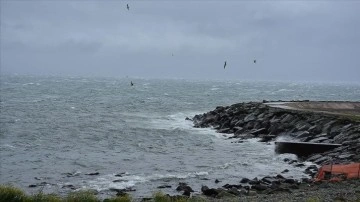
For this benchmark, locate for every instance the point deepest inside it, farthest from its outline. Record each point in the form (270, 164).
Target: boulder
(259, 187)
(184, 187)
(209, 192)
(319, 139)
(287, 118)
(250, 117)
(289, 181)
(258, 131)
(244, 180)
(301, 134)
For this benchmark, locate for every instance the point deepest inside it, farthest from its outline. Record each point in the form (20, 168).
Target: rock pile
(254, 119)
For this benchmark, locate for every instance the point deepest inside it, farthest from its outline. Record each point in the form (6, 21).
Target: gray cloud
(291, 40)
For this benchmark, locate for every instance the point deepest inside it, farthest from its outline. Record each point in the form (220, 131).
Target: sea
(61, 134)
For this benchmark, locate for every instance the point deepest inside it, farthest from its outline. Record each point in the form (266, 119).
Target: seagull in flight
(254, 61)
(225, 64)
(127, 6)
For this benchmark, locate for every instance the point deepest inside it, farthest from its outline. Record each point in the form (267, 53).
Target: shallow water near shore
(60, 129)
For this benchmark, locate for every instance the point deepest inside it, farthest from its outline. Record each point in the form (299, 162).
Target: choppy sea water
(58, 129)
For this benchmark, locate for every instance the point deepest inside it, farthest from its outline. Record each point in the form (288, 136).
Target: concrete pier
(303, 149)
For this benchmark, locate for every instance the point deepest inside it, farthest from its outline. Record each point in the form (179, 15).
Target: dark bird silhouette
(224, 64)
(127, 6)
(131, 83)
(254, 61)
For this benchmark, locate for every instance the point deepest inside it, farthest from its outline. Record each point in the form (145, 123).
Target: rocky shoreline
(259, 120)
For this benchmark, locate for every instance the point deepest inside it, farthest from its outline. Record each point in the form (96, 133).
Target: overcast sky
(290, 40)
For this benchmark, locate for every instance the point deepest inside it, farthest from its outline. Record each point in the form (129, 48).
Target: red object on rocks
(338, 172)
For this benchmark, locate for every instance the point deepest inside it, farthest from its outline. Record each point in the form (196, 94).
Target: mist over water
(58, 129)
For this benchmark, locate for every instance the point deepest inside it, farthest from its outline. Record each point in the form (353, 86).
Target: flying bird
(131, 83)
(254, 61)
(224, 64)
(127, 6)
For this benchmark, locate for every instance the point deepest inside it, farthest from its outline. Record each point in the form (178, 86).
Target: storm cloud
(291, 40)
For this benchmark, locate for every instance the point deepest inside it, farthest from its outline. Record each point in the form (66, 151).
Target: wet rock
(229, 186)
(315, 129)
(234, 191)
(328, 125)
(164, 186)
(346, 156)
(335, 130)
(244, 180)
(254, 181)
(321, 160)
(312, 167)
(186, 193)
(300, 165)
(286, 159)
(259, 187)
(306, 180)
(289, 181)
(285, 171)
(209, 192)
(184, 187)
(69, 186)
(301, 134)
(250, 117)
(314, 157)
(224, 130)
(320, 139)
(120, 180)
(292, 161)
(120, 174)
(238, 129)
(287, 118)
(96, 173)
(270, 180)
(267, 138)
(258, 131)
(122, 192)
(245, 136)
(280, 176)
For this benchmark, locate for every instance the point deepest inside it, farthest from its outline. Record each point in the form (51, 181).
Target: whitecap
(7, 146)
(285, 90)
(110, 181)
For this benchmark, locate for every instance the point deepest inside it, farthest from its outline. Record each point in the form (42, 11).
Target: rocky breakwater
(259, 120)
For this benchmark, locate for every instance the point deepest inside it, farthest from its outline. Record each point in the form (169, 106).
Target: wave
(110, 181)
(285, 90)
